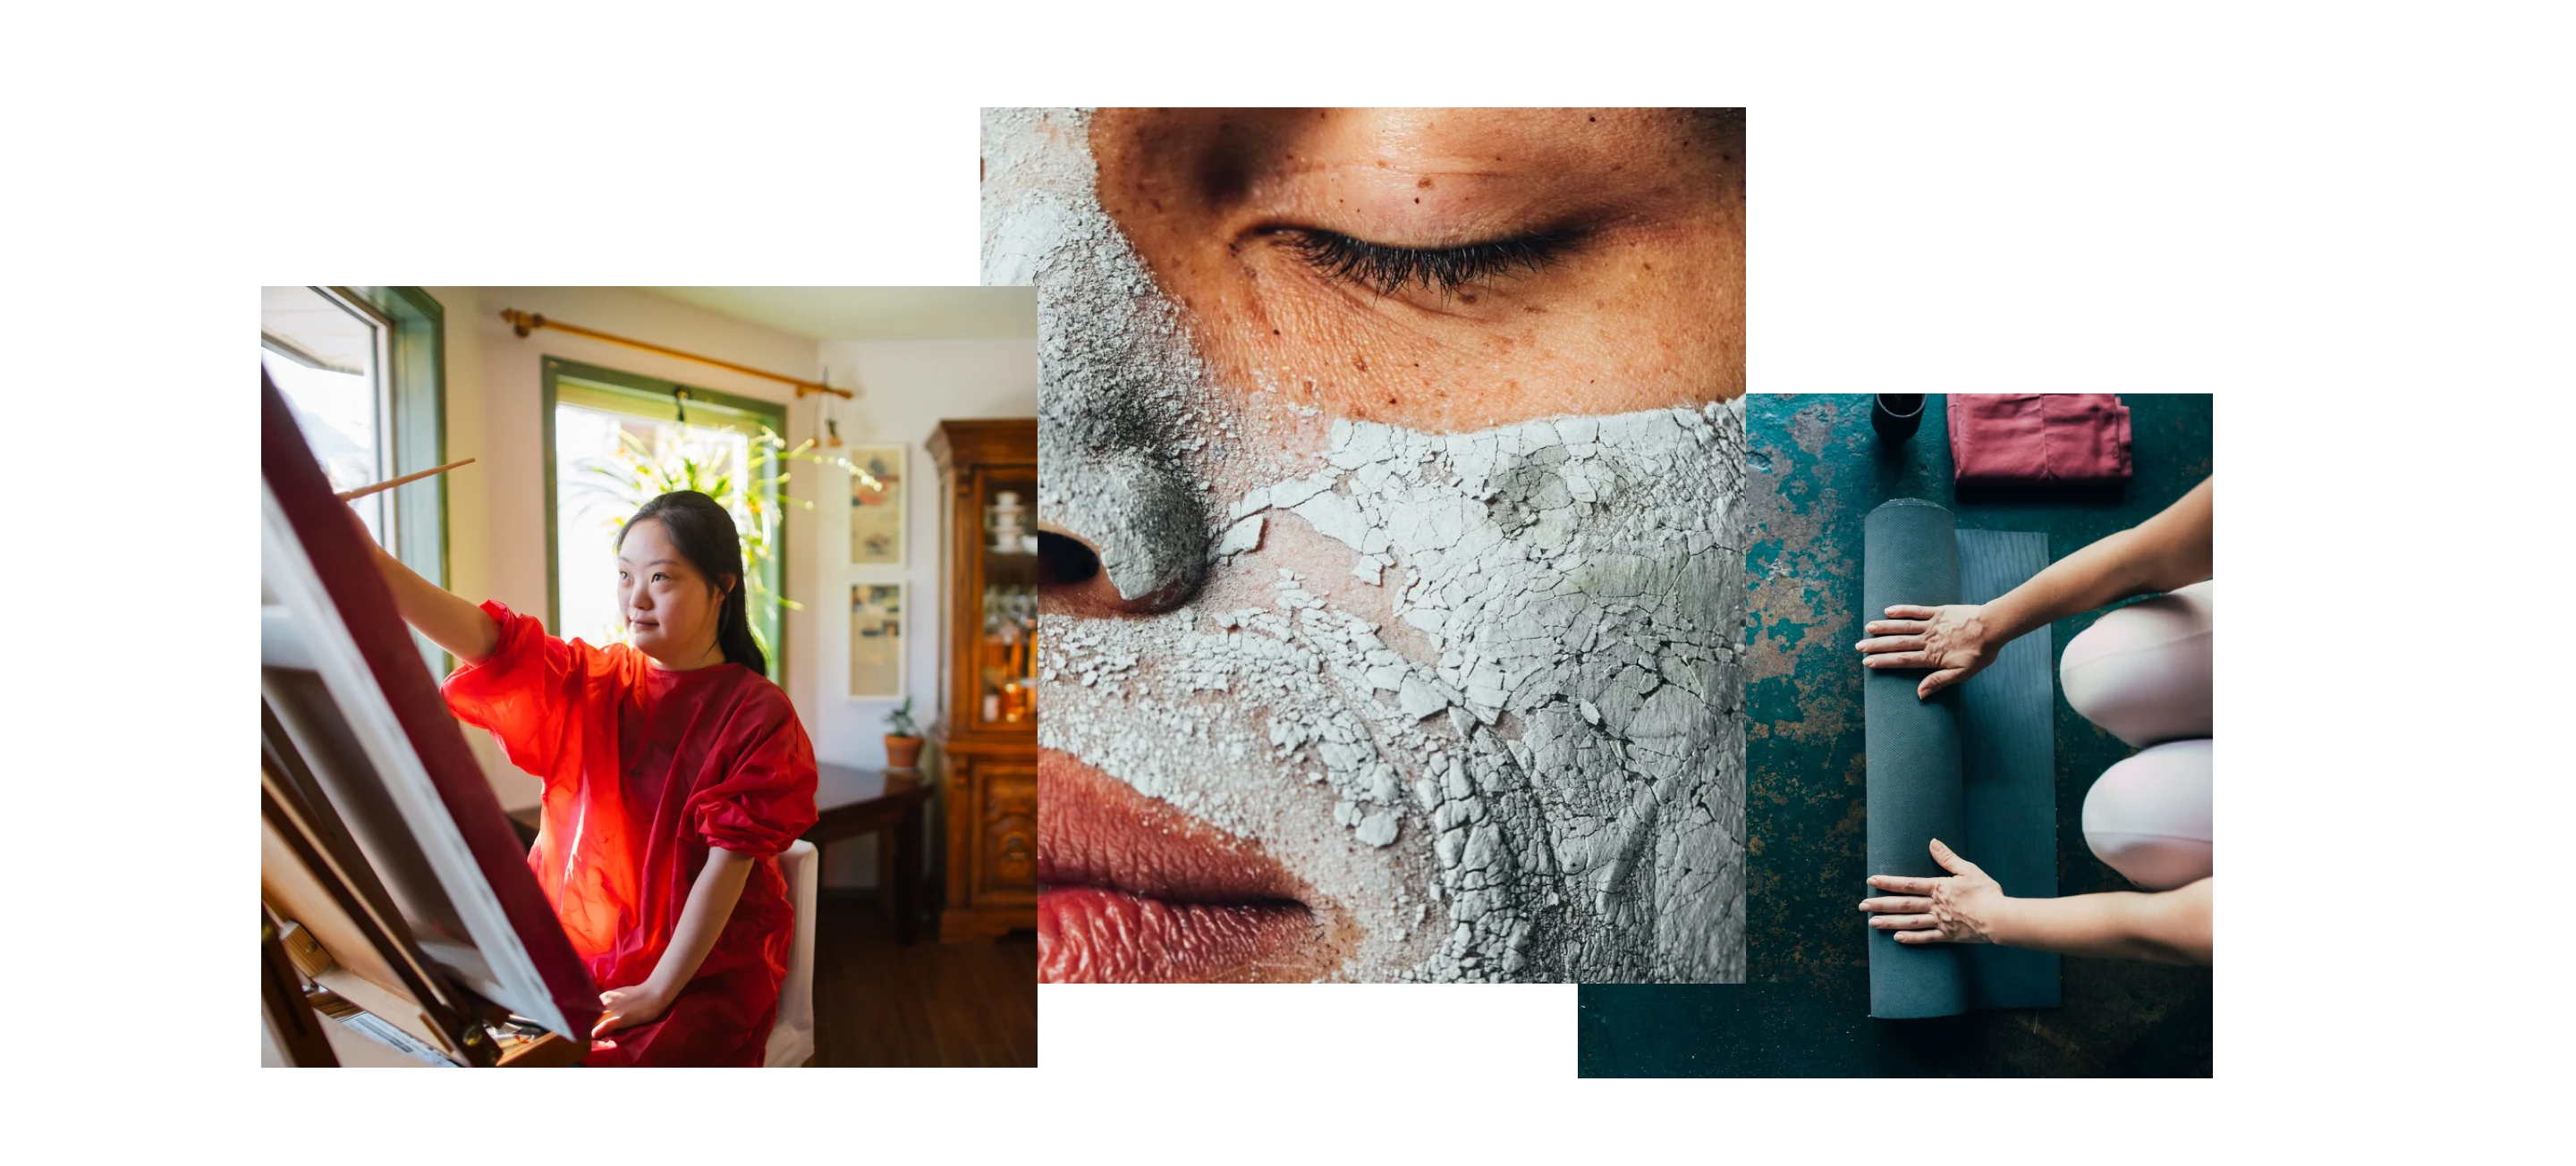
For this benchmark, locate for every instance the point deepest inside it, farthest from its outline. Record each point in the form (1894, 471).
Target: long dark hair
(705, 534)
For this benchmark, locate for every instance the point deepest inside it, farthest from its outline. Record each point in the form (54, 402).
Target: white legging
(2143, 674)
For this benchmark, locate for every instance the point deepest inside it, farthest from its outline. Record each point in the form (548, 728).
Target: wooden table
(853, 802)
(880, 802)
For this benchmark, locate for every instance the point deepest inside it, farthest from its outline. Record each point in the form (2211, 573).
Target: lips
(1134, 891)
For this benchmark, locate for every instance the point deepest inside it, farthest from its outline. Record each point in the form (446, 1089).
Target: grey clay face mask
(1482, 692)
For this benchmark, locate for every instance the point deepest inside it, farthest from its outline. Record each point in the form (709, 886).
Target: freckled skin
(1646, 310)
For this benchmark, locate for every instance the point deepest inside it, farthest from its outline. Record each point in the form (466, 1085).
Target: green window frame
(591, 386)
(416, 373)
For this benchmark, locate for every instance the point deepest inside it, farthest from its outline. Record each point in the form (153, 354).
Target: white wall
(496, 507)
(905, 390)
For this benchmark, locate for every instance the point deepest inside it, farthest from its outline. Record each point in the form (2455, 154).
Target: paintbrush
(390, 483)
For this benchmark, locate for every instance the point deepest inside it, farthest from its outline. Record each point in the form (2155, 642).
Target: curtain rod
(526, 322)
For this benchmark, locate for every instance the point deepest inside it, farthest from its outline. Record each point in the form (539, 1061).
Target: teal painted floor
(1814, 469)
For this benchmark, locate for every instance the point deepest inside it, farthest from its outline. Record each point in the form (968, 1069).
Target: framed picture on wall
(876, 505)
(876, 641)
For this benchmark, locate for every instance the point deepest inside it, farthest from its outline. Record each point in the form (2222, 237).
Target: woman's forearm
(2167, 927)
(711, 901)
(452, 622)
(2167, 551)
(2080, 582)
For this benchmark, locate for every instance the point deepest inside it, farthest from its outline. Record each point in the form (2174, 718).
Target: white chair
(791, 1040)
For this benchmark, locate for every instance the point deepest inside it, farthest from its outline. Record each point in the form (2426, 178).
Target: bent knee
(2144, 672)
(2149, 817)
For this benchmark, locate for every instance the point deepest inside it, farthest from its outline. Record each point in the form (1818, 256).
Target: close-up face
(1444, 270)
(670, 608)
(1389, 474)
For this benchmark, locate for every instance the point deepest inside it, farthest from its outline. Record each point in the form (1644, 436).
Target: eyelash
(1386, 270)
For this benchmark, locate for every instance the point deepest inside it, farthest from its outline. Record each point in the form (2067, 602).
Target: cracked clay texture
(1483, 692)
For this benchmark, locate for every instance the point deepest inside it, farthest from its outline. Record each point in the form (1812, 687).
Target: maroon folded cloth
(2000, 438)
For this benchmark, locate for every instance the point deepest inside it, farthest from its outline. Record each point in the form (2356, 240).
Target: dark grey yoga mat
(1974, 766)
(2008, 756)
(1909, 555)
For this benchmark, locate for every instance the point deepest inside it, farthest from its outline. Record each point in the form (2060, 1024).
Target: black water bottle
(1895, 415)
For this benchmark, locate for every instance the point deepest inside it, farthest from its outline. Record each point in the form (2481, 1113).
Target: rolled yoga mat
(1974, 766)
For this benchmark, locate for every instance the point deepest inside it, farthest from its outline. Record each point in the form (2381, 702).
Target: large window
(362, 369)
(615, 441)
(327, 355)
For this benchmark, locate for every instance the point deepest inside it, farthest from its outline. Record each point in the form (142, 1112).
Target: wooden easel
(395, 900)
(315, 876)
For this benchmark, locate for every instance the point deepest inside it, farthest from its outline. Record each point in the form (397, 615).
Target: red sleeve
(527, 693)
(766, 797)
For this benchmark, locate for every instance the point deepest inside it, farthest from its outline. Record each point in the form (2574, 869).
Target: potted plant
(903, 743)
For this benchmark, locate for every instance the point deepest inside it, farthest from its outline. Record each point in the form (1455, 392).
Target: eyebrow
(654, 563)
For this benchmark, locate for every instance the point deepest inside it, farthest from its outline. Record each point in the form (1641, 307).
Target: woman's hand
(711, 901)
(629, 1007)
(1960, 909)
(1955, 642)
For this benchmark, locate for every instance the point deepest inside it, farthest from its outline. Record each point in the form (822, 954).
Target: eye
(658, 576)
(1386, 269)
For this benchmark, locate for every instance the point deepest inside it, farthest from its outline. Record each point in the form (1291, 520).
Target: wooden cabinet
(988, 721)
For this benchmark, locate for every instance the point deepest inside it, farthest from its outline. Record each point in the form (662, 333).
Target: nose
(1129, 530)
(1125, 534)
(1070, 580)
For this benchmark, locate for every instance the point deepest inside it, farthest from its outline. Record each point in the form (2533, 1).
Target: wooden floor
(877, 1003)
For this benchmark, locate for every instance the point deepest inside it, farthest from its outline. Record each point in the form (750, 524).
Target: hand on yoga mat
(1957, 909)
(1953, 641)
